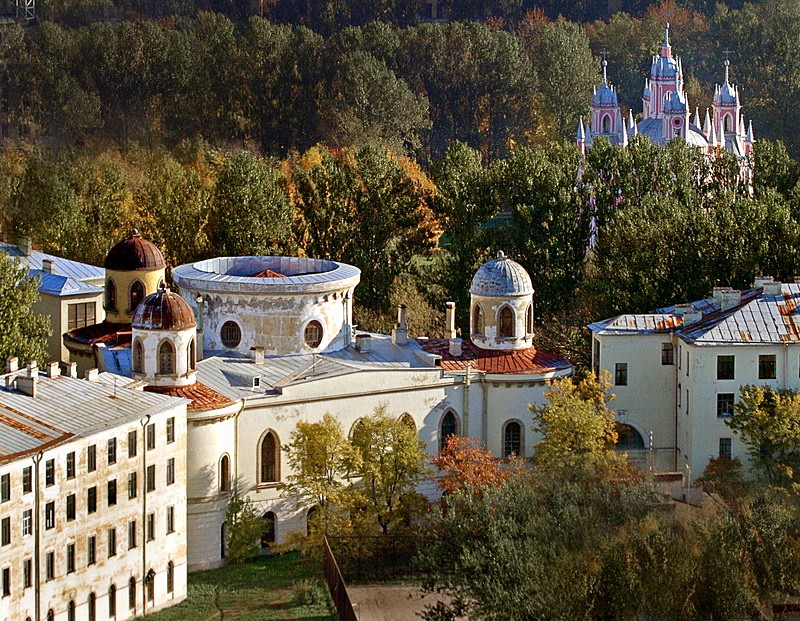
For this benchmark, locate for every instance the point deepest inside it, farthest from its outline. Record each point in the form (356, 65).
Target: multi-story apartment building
(92, 497)
(676, 371)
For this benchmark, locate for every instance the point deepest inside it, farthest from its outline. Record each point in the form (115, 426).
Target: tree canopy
(24, 334)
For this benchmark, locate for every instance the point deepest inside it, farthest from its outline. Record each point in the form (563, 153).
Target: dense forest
(414, 151)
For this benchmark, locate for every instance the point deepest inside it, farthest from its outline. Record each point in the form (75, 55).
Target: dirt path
(390, 603)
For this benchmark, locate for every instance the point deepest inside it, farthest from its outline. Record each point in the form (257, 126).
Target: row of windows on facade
(70, 466)
(70, 556)
(70, 512)
(726, 366)
(231, 334)
(91, 601)
(269, 455)
(506, 324)
(135, 294)
(166, 357)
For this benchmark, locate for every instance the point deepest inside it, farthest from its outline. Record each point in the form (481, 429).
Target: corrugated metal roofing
(65, 407)
(55, 284)
(64, 267)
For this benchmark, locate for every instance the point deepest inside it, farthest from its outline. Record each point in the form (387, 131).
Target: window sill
(270, 485)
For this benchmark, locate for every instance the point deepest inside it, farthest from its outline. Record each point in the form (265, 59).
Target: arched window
(448, 427)
(170, 577)
(166, 358)
(230, 334)
(132, 593)
(150, 584)
(505, 322)
(224, 474)
(191, 353)
(311, 519)
(137, 294)
(112, 600)
(92, 607)
(111, 295)
(223, 540)
(529, 319)
(606, 124)
(269, 455)
(477, 319)
(408, 421)
(268, 536)
(512, 439)
(727, 122)
(71, 610)
(313, 333)
(628, 439)
(138, 356)
(51, 616)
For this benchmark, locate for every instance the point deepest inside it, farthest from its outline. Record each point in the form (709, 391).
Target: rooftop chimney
(92, 375)
(48, 266)
(760, 280)
(25, 245)
(730, 299)
(450, 310)
(52, 369)
(400, 331)
(71, 370)
(27, 385)
(12, 364)
(692, 316)
(363, 343)
(455, 347)
(32, 369)
(682, 309)
(773, 288)
(257, 354)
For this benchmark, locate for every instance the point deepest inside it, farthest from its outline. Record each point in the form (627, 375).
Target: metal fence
(336, 586)
(375, 557)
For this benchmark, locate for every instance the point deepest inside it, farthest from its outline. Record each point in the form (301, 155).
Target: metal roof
(68, 277)
(55, 284)
(756, 318)
(66, 407)
(501, 277)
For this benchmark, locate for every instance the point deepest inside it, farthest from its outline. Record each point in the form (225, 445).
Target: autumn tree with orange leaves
(467, 464)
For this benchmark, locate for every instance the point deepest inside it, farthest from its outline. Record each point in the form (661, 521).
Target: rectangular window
(724, 404)
(170, 471)
(151, 478)
(725, 448)
(667, 353)
(725, 367)
(151, 436)
(621, 374)
(679, 394)
(170, 519)
(91, 550)
(6, 581)
(70, 507)
(132, 534)
(132, 485)
(112, 542)
(80, 315)
(680, 356)
(50, 566)
(112, 451)
(170, 430)
(687, 402)
(5, 488)
(50, 472)
(151, 526)
(70, 558)
(91, 458)
(71, 465)
(766, 366)
(91, 499)
(112, 492)
(27, 479)
(50, 515)
(27, 522)
(5, 531)
(687, 362)
(27, 573)
(132, 443)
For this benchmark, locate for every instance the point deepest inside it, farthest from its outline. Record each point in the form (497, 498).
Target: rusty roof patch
(521, 361)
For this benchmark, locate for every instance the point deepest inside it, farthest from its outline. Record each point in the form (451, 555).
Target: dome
(134, 253)
(163, 310)
(604, 96)
(501, 277)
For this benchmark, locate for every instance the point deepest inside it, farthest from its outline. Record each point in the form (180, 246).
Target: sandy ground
(389, 603)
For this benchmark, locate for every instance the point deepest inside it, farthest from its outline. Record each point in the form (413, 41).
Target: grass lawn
(260, 590)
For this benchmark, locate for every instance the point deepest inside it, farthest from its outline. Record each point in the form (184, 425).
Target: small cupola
(164, 340)
(501, 305)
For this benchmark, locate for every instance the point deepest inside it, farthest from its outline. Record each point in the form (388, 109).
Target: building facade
(92, 497)
(676, 372)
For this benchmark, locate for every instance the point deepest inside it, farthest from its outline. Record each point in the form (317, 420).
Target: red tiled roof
(110, 334)
(202, 397)
(520, 361)
(268, 274)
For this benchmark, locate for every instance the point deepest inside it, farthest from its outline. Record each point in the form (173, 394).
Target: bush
(308, 592)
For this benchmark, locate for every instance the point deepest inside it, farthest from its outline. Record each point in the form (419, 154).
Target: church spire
(666, 49)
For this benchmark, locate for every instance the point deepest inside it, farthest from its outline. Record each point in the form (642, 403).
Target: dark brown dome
(163, 310)
(134, 253)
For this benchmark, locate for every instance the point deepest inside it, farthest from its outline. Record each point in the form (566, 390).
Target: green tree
(320, 457)
(578, 429)
(768, 423)
(390, 462)
(24, 334)
(250, 212)
(244, 529)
